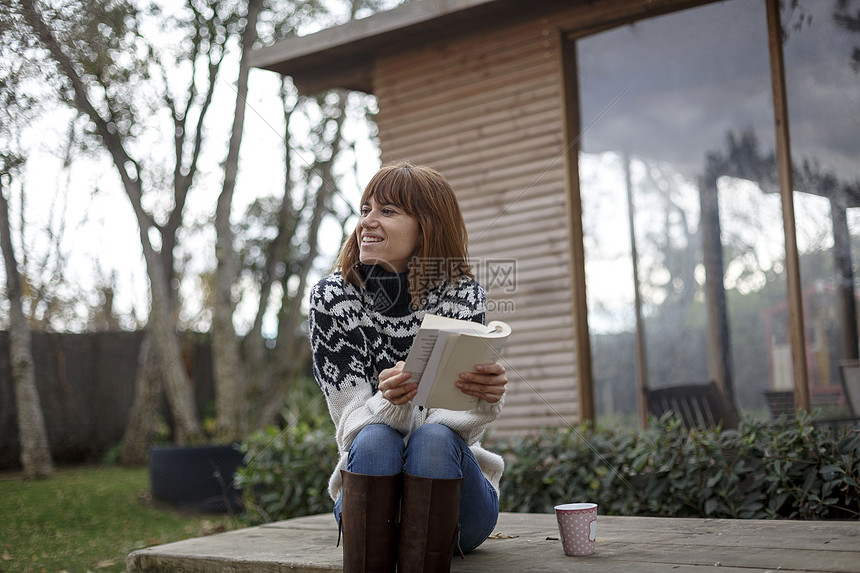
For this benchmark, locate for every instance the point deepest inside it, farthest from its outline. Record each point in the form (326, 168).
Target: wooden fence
(86, 389)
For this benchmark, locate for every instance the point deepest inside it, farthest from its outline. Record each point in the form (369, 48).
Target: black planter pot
(198, 478)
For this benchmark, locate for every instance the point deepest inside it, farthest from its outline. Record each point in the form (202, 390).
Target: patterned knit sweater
(356, 333)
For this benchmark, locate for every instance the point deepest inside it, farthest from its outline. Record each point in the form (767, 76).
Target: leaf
(777, 501)
(711, 505)
(830, 469)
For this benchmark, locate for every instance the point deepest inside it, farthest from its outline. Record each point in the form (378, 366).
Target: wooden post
(846, 304)
(570, 109)
(641, 359)
(786, 186)
(719, 349)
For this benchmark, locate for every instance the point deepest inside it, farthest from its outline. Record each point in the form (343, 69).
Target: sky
(695, 74)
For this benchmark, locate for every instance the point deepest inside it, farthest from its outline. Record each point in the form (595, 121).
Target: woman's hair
(423, 193)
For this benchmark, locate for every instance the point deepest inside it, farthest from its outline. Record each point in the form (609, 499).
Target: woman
(407, 256)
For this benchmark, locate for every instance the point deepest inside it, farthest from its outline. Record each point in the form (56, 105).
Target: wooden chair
(834, 397)
(698, 405)
(780, 403)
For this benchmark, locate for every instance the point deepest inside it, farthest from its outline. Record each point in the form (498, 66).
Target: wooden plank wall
(486, 112)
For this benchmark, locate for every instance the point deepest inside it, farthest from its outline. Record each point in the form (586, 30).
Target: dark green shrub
(762, 470)
(287, 471)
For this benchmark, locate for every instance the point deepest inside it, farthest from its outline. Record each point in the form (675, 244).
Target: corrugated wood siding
(486, 112)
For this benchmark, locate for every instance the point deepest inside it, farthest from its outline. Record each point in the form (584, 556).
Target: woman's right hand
(392, 384)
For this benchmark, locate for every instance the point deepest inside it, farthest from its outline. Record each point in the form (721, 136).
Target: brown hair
(423, 193)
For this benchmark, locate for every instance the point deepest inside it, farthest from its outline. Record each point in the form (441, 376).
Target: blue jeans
(433, 451)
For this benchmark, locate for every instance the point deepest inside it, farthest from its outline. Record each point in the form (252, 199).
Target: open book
(445, 347)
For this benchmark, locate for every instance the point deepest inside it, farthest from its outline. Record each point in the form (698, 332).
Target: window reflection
(822, 85)
(680, 107)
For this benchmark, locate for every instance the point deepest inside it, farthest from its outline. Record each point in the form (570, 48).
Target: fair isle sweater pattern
(356, 333)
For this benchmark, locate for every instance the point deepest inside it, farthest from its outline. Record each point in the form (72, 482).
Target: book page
(461, 355)
(443, 348)
(431, 366)
(425, 340)
(437, 322)
(419, 354)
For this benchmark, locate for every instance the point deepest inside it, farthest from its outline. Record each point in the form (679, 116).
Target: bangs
(393, 187)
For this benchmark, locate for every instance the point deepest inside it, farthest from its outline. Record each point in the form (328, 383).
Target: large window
(823, 88)
(678, 181)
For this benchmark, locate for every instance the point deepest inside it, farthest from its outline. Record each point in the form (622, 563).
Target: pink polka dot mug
(577, 527)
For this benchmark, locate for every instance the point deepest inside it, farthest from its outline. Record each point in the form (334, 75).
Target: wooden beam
(846, 303)
(719, 348)
(344, 56)
(572, 131)
(641, 355)
(786, 186)
(359, 32)
(594, 17)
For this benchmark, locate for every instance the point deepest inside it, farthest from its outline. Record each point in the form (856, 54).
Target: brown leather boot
(429, 527)
(368, 520)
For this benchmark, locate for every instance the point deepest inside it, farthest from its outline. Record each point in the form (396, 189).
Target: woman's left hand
(487, 382)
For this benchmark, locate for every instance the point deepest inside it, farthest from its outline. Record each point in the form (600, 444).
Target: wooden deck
(529, 543)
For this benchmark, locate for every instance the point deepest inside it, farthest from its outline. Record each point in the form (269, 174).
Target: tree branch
(33, 16)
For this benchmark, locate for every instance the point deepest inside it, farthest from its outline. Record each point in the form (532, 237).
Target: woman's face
(387, 236)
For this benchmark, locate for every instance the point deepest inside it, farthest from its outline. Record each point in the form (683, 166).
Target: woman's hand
(393, 387)
(488, 382)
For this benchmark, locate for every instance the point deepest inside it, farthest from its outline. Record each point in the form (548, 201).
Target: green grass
(87, 519)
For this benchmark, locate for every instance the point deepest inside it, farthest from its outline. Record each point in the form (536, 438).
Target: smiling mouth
(370, 240)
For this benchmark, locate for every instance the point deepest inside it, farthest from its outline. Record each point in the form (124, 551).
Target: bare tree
(236, 409)
(107, 69)
(291, 341)
(207, 31)
(99, 85)
(259, 380)
(17, 107)
(231, 423)
(35, 452)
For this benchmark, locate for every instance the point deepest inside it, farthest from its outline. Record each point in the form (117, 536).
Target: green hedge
(286, 473)
(762, 470)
